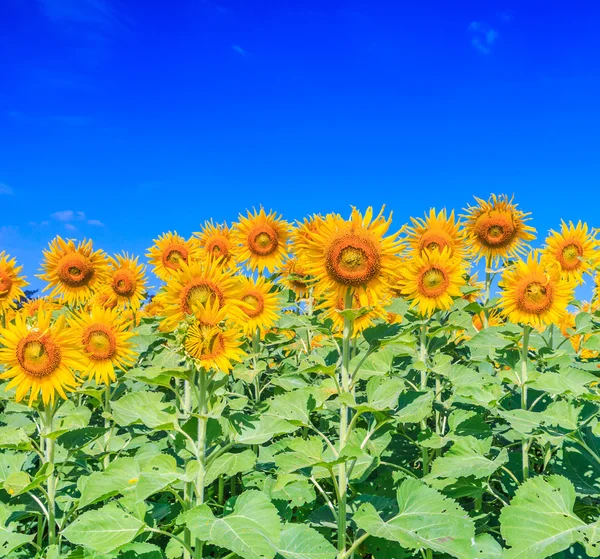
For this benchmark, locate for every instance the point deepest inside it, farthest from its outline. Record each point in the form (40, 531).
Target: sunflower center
(569, 256)
(435, 240)
(174, 255)
(5, 284)
(255, 304)
(495, 231)
(99, 342)
(535, 297)
(75, 270)
(200, 294)
(38, 356)
(352, 260)
(124, 283)
(263, 240)
(217, 247)
(433, 282)
(214, 344)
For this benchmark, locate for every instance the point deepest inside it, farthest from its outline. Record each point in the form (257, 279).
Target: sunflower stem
(201, 446)
(525, 442)
(107, 410)
(423, 359)
(488, 288)
(344, 431)
(255, 352)
(47, 426)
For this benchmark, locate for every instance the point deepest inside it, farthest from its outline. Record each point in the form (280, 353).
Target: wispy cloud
(95, 222)
(483, 36)
(239, 50)
(63, 215)
(5, 189)
(70, 227)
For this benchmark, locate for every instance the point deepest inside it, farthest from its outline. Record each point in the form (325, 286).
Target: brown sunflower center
(174, 255)
(6, 283)
(495, 231)
(435, 240)
(433, 282)
(99, 342)
(255, 304)
(199, 294)
(263, 240)
(217, 247)
(38, 355)
(123, 283)
(535, 297)
(570, 256)
(75, 270)
(352, 260)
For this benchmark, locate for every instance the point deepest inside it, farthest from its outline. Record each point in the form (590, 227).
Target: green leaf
(69, 417)
(414, 406)
(157, 474)
(299, 541)
(305, 453)
(576, 463)
(104, 530)
(382, 394)
(568, 381)
(229, 464)
(540, 521)
(144, 407)
(9, 539)
(14, 438)
(119, 476)
(426, 519)
(11, 462)
(294, 406)
(252, 530)
(259, 431)
(523, 421)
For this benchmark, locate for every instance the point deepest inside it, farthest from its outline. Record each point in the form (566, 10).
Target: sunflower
(436, 232)
(153, 308)
(170, 251)
(294, 277)
(193, 287)
(572, 250)
(101, 299)
(40, 358)
(259, 305)
(353, 254)
(432, 279)
(73, 272)
(494, 319)
(473, 289)
(260, 240)
(533, 294)
(126, 284)
(103, 335)
(10, 282)
(567, 325)
(47, 304)
(496, 228)
(211, 340)
(215, 242)
(332, 306)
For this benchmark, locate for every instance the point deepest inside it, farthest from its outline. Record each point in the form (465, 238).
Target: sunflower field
(338, 388)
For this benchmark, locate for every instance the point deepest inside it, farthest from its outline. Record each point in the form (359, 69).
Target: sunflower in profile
(352, 254)
(260, 240)
(193, 287)
(170, 251)
(436, 232)
(40, 359)
(494, 319)
(153, 308)
(533, 294)
(567, 326)
(573, 251)
(211, 340)
(259, 305)
(215, 242)
(126, 282)
(294, 277)
(497, 229)
(10, 282)
(103, 335)
(46, 304)
(432, 280)
(332, 306)
(473, 288)
(73, 272)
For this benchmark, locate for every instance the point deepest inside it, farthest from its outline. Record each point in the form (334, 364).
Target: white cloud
(5, 189)
(64, 215)
(96, 222)
(70, 227)
(239, 50)
(483, 36)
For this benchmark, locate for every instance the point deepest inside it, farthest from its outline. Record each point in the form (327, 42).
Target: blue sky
(122, 119)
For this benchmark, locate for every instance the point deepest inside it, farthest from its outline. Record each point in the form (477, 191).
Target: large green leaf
(426, 519)
(104, 530)
(414, 406)
(229, 464)
(299, 541)
(120, 476)
(252, 530)
(10, 539)
(143, 407)
(258, 431)
(294, 406)
(577, 463)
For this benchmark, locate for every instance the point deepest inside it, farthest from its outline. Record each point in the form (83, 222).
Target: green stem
(221, 490)
(525, 443)
(47, 422)
(201, 446)
(423, 359)
(107, 410)
(255, 350)
(488, 288)
(344, 431)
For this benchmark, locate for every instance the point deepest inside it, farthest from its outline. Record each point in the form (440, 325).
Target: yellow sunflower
(153, 308)
(193, 287)
(436, 232)
(494, 319)
(73, 272)
(497, 229)
(10, 282)
(332, 306)
(432, 279)
(215, 242)
(103, 335)
(260, 305)
(566, 325)
(212, 341)
(126, 283)
(573, 250)
(352, 254)
(41, 358)
(474, 289)
(170, 251)
(46, 304)
(101, 299)
(260, 240)
(294, 277)
(533, 294)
